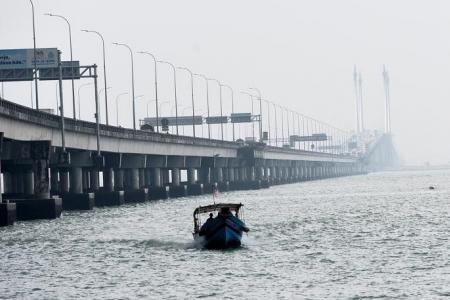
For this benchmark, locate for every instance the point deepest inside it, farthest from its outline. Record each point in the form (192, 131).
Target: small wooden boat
(221, 231)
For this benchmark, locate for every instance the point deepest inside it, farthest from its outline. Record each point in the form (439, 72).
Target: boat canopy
(218, 206)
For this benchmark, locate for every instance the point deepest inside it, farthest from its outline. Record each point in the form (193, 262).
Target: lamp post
(232, 106)
(184, 109)
(34, 58)
(175, 90)
(282, 126)
(192, 98)
(276, 124)
(117, 107)
(71, 59)
(268, 120)
(221, 108)
(104, 70)
(79, 106)
(156, 86)
(251, 103)
(207, 101)
(260, 112)
(132, 82)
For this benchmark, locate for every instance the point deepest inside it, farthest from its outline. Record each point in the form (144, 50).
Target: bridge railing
(46, 119)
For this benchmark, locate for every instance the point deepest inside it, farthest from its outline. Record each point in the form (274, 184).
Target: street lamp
(276, 124)
(175, 89)
(71, 59)
(260, 112)
(117, 107)
(34, 58)
(251, 102)
(207, 101)
(156, 86)
(132, 82)
(232, 105)
(104, 70)
(192, 97)
(184, 109)
(79, 106)
(221, 108)
(268, 120)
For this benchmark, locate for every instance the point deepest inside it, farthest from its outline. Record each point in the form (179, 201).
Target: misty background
(300, 54)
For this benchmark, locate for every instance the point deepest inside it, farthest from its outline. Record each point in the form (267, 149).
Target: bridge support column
(133, 192)
(190, 175)
(85, 179)
(133, 179)
(147, 177)
(76, 180)
(76, 199)
(141, 178)
(156, 177)
(63, 181)
(177, 189)
(176, 176)
(54, 186)
(7, 210)
(94, 180)
(157, 190)
(28, 183)
(231, 174)
(109, 196)
(119, 179)
(108, 180)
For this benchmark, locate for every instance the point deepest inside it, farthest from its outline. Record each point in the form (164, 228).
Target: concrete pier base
(7, 214)
(157, 193)
(249, 185)
(33, 209)
(178, 191)
(105, 198)
(195, 189)
(223, 186)
(140, 195)
(265, 183)
(83, 201)
(208, 189)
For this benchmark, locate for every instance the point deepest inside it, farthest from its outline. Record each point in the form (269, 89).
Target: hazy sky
(298, 53)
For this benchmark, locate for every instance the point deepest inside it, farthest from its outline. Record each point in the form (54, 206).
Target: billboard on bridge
(172, 121)
(24, 58)
(70, 70)
(18, 64)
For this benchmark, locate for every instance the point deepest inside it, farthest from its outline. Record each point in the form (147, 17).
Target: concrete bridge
(91, 165)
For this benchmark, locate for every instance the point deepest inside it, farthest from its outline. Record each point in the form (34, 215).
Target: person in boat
(207, 225)
(225, 212)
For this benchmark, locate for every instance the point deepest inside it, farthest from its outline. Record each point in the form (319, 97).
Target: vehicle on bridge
(222, 231)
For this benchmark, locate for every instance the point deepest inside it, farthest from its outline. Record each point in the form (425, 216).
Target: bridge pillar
(133, 179)
(141, 178)
(54, 184)
(259, 173)
(108, 180)
(94, 180)
(156, 176)
(218, 174)
(176, 176)
(165, 176)
(205, 175)
(119, 179)
(63, 181)
(76, 180)
(28, 182)
(231, 174)
(191, 175)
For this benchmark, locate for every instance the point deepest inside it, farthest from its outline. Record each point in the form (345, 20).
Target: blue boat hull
(226, 233)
